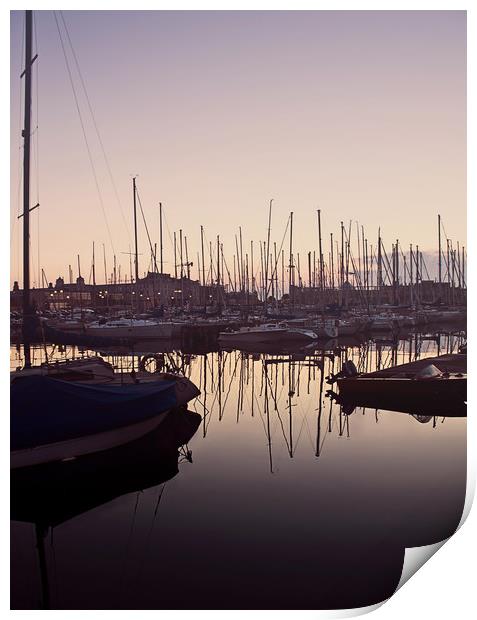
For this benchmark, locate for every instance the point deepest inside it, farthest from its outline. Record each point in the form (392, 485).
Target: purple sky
(361, 114)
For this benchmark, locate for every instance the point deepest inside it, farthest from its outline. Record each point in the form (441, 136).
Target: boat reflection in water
(291, 502)
(52, 494)
(422, 411)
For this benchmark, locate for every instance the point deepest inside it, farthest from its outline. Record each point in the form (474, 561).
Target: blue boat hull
(54, 420)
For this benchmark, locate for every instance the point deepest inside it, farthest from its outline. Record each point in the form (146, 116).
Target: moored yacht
(267, 334)
(131, 329)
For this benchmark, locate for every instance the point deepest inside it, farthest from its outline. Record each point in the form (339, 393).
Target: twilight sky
(361, 114)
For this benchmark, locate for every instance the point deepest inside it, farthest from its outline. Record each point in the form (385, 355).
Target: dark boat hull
(52, 420)
(438, 390)
(53, 493)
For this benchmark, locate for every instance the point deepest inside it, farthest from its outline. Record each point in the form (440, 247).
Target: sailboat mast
(268, 250)
(136, 265)
(321, 251)
(26, 189)
(291, 278)
(94, 268)
(160, 235)
(203, 258)
(440, 254)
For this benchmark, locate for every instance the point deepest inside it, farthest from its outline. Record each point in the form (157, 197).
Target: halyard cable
(95, 125)
(84, 132)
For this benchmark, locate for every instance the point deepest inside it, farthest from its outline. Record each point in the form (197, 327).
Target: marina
(263, 401)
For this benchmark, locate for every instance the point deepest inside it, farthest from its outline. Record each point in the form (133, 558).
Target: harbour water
(279, 499)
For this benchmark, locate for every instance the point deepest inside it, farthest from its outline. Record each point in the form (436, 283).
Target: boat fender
(349, 369)
(145, 366)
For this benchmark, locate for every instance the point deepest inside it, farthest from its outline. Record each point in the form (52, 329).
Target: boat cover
(45, 410)
(428, 372)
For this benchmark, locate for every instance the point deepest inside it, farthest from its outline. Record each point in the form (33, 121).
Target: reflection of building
(154, 290)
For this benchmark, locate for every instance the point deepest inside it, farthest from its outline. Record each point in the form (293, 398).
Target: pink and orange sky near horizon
(361, 114)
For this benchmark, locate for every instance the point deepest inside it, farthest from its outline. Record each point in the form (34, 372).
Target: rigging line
(425, 267)
(131, 529)
(273, 275)
(147, 231)
(149, 534)
(35, 165)
(16, 241)
(167, 225)
(230, 385)
(216, 393)
(37, 145)
(267, 378)
(84, 132)
(304, 424)
(443, 228)
(228, 272)
(36, 130)
(95, 125)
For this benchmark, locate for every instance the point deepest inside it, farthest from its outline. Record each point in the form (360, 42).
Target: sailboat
(74, 409)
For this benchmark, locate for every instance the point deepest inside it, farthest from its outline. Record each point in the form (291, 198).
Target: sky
(361, 114)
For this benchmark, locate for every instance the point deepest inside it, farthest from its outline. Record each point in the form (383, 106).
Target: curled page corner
(352, 612)
(415, 558)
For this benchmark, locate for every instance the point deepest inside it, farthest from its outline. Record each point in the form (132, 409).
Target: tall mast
(291, 279)
(380, 262)
(105, 266)
(203, 259)
(160, 235)
(175, 256)
(187, 258)
(26, 189)
(251, 266)
(275, 271)
(136, 265)
(283, 273)
(94, 269)
(309, 270)
(320, 249)
(440, 253)
(268, 250)
(218, 260)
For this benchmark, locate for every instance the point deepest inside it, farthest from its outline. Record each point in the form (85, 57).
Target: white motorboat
(267, 334)
(384, 323)
(131, 329)
(323, 329)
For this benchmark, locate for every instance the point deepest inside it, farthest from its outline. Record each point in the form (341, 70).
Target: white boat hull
(150, 332)
(267, 337)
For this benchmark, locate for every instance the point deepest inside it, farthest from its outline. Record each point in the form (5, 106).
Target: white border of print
(445, 585)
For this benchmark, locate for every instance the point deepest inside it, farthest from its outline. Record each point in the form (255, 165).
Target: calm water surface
(279, 499)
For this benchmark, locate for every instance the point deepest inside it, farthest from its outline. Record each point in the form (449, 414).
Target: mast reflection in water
(289, 502)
